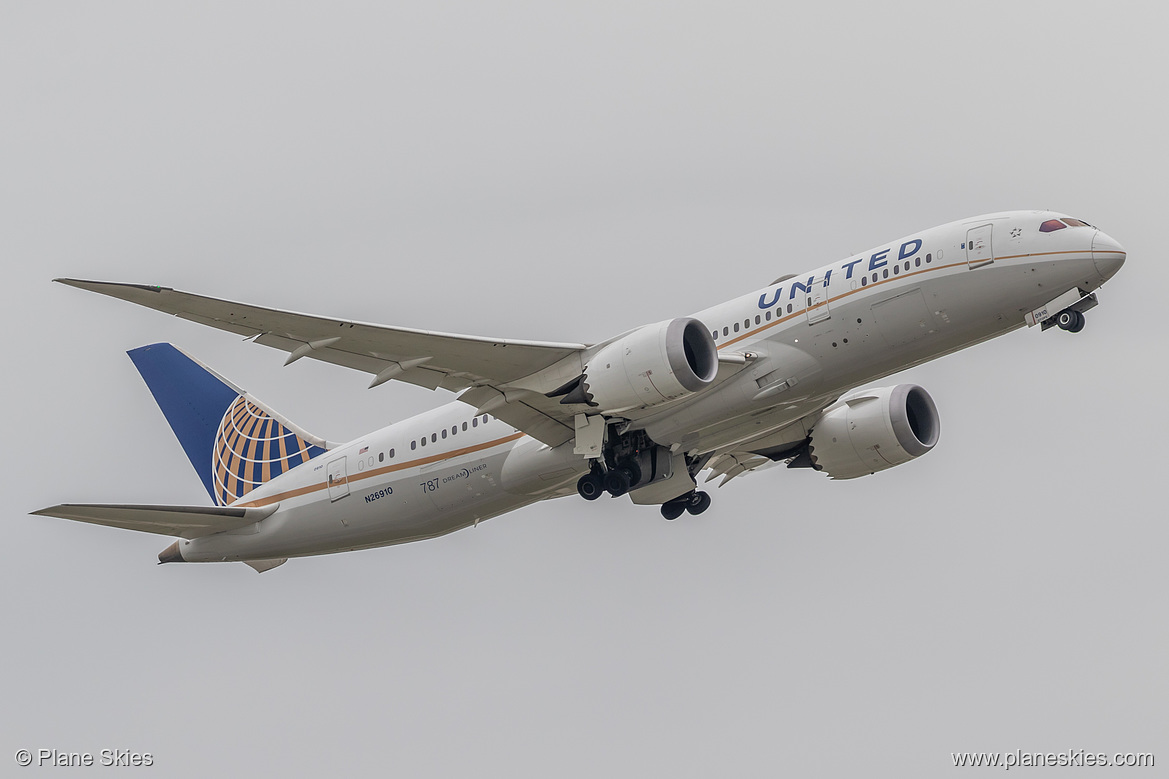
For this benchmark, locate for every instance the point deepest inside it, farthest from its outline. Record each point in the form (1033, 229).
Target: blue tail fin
(235, 443)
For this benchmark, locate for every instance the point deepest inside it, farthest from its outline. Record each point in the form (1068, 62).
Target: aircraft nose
(1107, 253)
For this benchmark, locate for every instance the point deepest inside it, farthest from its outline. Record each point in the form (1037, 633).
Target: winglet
(95, 286)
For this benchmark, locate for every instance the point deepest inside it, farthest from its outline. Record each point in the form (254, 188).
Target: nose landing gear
(1069, 319)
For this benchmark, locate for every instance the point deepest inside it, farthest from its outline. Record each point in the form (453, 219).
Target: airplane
(766, 378)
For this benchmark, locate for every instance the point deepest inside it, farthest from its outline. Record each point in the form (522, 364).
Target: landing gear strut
(1070, 320)
(695, 502)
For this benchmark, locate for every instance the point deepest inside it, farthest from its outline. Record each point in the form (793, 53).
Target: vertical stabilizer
(234, 442)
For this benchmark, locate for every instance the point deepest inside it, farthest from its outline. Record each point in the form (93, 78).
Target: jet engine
(872, 430)
(648, 366)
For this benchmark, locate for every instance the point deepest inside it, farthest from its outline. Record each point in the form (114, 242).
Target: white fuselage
(806, 340)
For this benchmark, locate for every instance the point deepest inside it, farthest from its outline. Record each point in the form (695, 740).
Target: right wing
(182, 521)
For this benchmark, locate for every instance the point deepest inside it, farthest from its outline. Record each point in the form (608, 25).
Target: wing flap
(182, 521)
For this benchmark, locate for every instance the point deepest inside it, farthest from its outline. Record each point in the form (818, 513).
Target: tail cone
(171, 554)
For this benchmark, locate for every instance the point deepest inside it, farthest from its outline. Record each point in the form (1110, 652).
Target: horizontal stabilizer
(182, 521)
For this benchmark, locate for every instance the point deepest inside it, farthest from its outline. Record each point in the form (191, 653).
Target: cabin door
(978, 246)
(818, 301)
(338, 479)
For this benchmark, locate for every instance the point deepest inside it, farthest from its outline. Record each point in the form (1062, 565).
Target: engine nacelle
(873, 430)
(651, 365)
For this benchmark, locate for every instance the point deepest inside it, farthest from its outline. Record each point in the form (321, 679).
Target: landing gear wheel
(591, 485)
(1070, 320)
(699, 502)
(617, 482)
(633, 469)
(673, 509)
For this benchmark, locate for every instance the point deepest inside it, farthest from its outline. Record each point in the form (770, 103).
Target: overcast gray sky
(566, 172)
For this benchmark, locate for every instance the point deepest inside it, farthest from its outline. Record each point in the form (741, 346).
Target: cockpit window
(1051, 225)
(1075, 223)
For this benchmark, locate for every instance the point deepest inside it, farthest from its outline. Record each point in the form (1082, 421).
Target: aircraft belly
(450, 485)
(389, 512)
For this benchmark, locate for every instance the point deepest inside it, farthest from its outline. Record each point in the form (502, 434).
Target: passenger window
(475, 422)
(381, 457)
(464, 427)
(726, 331)
(885, 273)
(917, 262)
(789, 308)
(929, 258)
(864, 281)
(736, 327)
(896, 269)
(767, 316)
(444, 432)
(746, 324)
(714, 334)
(391, 454)
(433, 438)
(757, 320)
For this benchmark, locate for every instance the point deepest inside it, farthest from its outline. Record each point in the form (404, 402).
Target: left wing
(486, 370)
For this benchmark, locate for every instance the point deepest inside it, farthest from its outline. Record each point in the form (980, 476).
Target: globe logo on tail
(252, 448)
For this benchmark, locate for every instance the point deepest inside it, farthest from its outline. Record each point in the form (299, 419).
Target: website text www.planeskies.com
(1067, 759)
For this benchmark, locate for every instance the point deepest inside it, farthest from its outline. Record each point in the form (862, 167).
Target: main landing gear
(615, 481)
(631, 461)
(695, 502)
(1069, 319)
